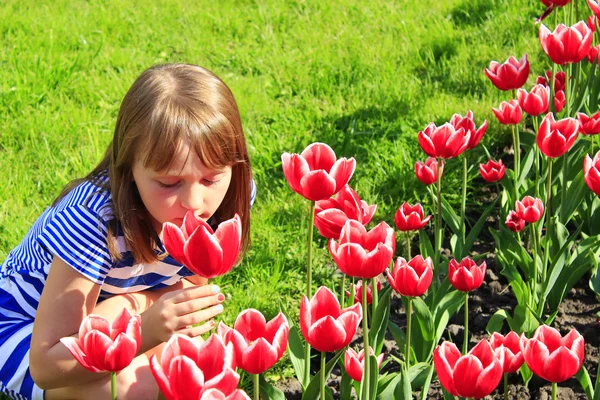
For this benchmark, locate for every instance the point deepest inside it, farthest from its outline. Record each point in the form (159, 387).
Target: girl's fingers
(194, 292)
(191, 306)
(195, 331)
(199, 316)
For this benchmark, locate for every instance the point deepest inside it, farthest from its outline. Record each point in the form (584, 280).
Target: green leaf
(586, 383)
(312, 390)
(268, 391)
(425, 390)
(387, 392)
(450, 217)
(345, 387)
(373, 375)
(425, 245)
(398, 335)
(403, 389)
(296, 351)
(475, 231)
(526, 164)
(380, 320)
(574, 196)
(523, 320)
(418, 374)
(526, 374)
(496, 321)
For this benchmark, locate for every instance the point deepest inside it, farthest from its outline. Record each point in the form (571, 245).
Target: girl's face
(187, 185)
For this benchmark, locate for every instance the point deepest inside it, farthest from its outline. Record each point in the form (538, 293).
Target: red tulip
(411, 278)
(557, 3)
(592, 55)
(530, 209)
(104, 346)
(509, 113)
(492, 171)
(589, 125)
(591, 172)
(358, 292)
(512, 74)
(559, 82)
(444, 141)
(594, 7)
(332, 214)
(361, 254)
(427, 172)
(324, 324)
(467, 275)
(536, 101)
(410, 218)
(203, 251)
(514, 222)
(354, 362)
(510, 345)
(591, 23)
(258, 344)
(315, 173)
(188, 368)
(551, 356)
(555, 138)
(468, 124)
(473, 375)
(560, 100)
(566, 44)
(216, 394)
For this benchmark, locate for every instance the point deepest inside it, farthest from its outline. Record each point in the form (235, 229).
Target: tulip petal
(211, 357)
(317, 185)
(226, 382)
(445, 357)
(466, 372)
(72, 345)
(319, 156)
(204, 254)
(161, 378)
(251, 324)
(561, 365)
(259, 357)
(185, 378)
(327, 335)
(342, 171)
(294, 168)
(375, 262)
(174, 242)
(121, 353)
(229, 236)
(324, 303)
(95, 346)
(329, 222)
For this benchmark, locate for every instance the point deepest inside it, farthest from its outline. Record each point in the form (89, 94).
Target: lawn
(364, 77)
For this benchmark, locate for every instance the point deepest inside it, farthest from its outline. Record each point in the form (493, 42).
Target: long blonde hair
(166, 105)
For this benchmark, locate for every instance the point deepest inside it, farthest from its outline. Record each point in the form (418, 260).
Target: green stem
(553, 84)
(408, 331)
(408, 246)
(563, 189)
(365, 321)
(515, 167)
(343, 291)
(113, 385)
(256, 380)
(535, 270)
(554, 385)
(466, 342)
(323, 360)
(517, 145)
(309, 241)
(548, 230)
(505, 386)
(438, 227)
(536, 127)
(463, 200)
(374, 295)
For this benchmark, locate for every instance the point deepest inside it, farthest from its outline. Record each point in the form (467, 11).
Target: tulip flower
(315, 173)
(411, 278)
(509, 113)
(475, 374)
(589, 125)
(592, 54)
(514, 222)
(104, 346)
(427, 172)
(594, 7)
(559, 82)
(555, 138)
(566, 44)
(529, 209)
(511, 74)
(551, 356)
(363, 254)
(591, 23)
(535, 102)
(557, 3)
(188, 368)
(466, 275)
(332, 214)
(468, 124)
(560, 100)
(257, 344)
(510, 345)
(444, 141)
(203, 251)
(216, 394)
(591, 172)
(492, 171)
(410, 218)
(354, 362)
(358, 292)
(324, 324)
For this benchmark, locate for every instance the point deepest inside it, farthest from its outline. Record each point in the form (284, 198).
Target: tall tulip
(555, 138)
(354, 363)
(188, 368)
(510, 75)
(475, 374)
(205, 252)
(363, 254)
(332, 214)
(535, 102)
(492, 171)
(589, 125)
(566, 45)
(509, 112)
(410, 218)
(427, 172)
(468, 124)
(591, 172)
(444, 141)
(315, 173)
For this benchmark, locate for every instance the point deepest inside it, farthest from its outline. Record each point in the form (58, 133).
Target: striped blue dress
(74, 230)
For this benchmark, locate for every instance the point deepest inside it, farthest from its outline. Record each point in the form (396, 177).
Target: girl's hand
(179, 310)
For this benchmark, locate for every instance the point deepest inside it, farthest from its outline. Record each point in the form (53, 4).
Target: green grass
(364, 77)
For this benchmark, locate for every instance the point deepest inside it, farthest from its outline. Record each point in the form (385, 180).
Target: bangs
(209, 133)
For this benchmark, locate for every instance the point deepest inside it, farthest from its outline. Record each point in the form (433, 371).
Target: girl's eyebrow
(170, 174)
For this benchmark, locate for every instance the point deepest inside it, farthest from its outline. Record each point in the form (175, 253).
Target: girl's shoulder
(93, 195)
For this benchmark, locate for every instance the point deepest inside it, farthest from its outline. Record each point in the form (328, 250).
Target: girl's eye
(211, 183)
(167, 185)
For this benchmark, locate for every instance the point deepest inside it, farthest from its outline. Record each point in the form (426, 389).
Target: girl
(178, 145)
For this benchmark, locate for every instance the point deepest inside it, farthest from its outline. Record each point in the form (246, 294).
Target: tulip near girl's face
(512, 74)
(188, 369)
(411, 278)
(427, 172)
(324, 324)
(358, 292)
(468, 124)
(509, 113)
(332, 214)
(466, 275)
(510, 345)
(444, 141)
(555, 138)
(315, 173)
(591, 172)
(551, 356)
(410, 218)
(363, 254)
(529, 209)
(492, 171)
(566, 45)
(474, 375)
(354, 362)
(535, 102)
(204, 252)
(104, 346)
(258, 344)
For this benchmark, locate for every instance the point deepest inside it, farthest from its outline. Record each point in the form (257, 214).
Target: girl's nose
(193, 198)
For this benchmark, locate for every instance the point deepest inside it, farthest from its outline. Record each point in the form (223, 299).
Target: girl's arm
(68, 297)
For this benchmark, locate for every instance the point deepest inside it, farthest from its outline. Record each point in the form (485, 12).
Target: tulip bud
(468, 124)
(535, 102)
(555, 138)
(530, 209)
(467, 275)
(411, 278)
(512, 74)
(410, 218)
(444, 141)
(354, 363)
(560, 100)
(591, 172)
(514, 222)
(509, 113)
(427, 172)
(492, 171)
(510, 345)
